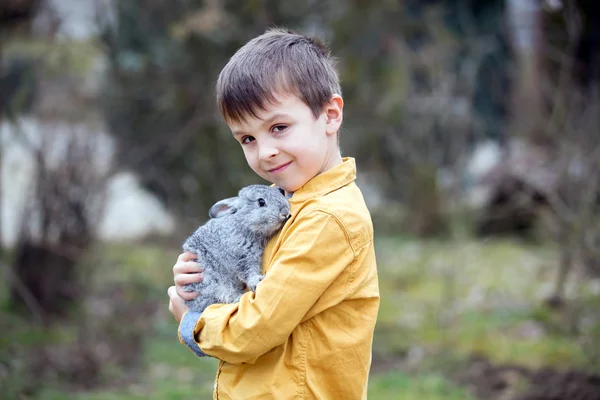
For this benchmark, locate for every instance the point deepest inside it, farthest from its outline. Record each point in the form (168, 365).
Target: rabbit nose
(285, 215)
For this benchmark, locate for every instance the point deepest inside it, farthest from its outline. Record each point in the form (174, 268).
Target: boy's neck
(334, 161)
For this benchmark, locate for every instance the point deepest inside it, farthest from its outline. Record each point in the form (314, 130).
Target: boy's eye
(247, 139)
(261, 202)
(279, 128)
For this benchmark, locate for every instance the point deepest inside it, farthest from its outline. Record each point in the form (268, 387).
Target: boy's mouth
(280, 167)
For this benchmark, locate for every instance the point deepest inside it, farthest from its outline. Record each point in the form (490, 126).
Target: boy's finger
(171, 292)
(187, 268)
(187, 256)
(186, 295)
(184, 279)
(178, 296)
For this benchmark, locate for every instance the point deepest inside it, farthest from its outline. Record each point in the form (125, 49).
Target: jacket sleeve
(314, 253)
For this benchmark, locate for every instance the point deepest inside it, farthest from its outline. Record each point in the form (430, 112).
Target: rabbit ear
(223, 208)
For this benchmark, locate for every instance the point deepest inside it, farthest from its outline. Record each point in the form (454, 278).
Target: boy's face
(287, 145)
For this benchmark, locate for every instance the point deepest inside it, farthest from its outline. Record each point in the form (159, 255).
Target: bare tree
(57, 223)
(427, 151)
(574, 218)
(571, 134)
(550, 165)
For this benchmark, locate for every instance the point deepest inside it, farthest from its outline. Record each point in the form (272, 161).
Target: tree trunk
(45, 277)
(527, 101)
(557, 299)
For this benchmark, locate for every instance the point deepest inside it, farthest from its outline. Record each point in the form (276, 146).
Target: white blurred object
(73, 19)
(129, 212)
(523, 20)
(553, 5)
(486, 156)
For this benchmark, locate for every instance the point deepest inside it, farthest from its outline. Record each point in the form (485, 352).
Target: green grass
(440, 303)
(400, 386)
(482, 298)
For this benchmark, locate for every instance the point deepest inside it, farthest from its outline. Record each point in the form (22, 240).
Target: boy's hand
(176, 304)
(186, 271)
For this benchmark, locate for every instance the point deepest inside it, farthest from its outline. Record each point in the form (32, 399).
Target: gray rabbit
(230, 245)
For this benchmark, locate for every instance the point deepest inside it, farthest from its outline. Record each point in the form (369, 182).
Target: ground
(458, 320)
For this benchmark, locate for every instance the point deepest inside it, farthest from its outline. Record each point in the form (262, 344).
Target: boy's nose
(265, 152)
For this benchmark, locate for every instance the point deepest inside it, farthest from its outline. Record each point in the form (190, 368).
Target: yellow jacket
(307, 331)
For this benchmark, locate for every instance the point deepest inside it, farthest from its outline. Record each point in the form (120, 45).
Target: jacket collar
(327, 182)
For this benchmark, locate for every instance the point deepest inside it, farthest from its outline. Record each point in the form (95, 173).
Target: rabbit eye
(261, 202)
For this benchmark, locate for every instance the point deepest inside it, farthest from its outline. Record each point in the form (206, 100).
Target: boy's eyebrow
(267, 121)
(274, 117)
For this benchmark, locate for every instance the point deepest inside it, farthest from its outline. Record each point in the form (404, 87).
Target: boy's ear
(334, 113)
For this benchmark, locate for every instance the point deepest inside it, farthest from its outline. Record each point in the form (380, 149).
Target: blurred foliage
(422, 82)
(574, 32)
(164, 60)
(446, 302)
(103, 339)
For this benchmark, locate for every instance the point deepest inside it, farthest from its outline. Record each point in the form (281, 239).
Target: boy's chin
(287, 189)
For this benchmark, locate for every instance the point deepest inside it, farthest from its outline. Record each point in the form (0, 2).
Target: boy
(306, 333)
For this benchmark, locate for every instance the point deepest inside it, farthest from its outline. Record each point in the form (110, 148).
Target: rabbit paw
(254, 281)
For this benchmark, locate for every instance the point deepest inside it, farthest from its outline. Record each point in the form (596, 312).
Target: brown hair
(276, 62)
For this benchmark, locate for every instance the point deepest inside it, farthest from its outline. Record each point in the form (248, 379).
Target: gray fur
(230, 245)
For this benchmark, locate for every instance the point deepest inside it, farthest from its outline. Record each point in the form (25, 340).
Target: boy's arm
(314, 254)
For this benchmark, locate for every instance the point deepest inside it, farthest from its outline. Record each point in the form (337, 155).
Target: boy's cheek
(254, 164)
(249, 158)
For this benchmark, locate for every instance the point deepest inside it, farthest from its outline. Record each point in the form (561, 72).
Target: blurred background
(475, 125)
